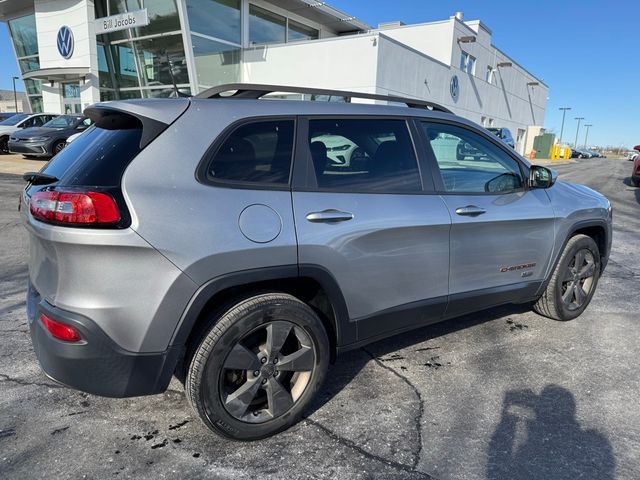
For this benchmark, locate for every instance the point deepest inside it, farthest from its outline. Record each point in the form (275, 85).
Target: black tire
(573, 282)
(636, 182)
(248, 403)
(4, 145)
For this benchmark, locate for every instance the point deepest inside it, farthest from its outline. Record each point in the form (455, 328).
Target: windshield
(14, 119)
(63, 121)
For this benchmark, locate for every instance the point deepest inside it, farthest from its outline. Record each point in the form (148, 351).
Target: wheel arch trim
(344, 330)
(577, 226)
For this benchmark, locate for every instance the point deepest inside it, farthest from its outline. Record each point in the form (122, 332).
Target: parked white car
(19, 121)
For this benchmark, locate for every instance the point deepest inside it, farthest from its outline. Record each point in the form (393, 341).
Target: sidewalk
(17, 164)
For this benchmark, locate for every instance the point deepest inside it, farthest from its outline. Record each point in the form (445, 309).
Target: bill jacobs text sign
(122, 21)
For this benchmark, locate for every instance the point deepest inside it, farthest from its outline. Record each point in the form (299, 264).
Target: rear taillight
(60, 330)
(75, 207)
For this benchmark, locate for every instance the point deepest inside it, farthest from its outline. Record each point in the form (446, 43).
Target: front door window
(71, 98)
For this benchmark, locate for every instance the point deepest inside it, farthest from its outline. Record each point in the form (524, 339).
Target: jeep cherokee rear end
(213, 239)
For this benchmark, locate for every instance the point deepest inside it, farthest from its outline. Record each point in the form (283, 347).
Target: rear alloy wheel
(573, 282)
(258, 367)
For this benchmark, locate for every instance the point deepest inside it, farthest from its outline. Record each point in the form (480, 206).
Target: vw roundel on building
(73, 53)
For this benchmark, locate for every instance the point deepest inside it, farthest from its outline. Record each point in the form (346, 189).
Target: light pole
(586, 135)
(564, 112)
(575, 144)
(15, 96)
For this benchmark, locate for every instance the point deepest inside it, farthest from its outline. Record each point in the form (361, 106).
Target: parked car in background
(635, 173)
(20, 121)
(51, 138)
(76, 135)
(505, 135)
(283, 261)
(5, 115)
(631, 156)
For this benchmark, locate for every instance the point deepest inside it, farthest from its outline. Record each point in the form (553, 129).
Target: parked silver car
(212, 238)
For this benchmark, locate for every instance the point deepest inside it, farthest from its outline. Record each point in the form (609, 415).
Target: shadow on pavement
(540, 437)
(628, 183)
(349, 364)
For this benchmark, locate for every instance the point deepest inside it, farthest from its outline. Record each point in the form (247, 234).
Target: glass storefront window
(163, 16)
(298, 31)
(23, 32)
(215, 18)
(106, 95)
(164, 92)
(36, 104)
(104, 77)
(216, 62)
(161, 60)
(33, 86)
(266, 26)
(28, 64)
(128, 94)
(125, 73)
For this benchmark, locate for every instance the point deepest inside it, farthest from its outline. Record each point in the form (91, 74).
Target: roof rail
(255, 91)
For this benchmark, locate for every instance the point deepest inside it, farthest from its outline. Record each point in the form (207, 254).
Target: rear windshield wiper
(37, 178)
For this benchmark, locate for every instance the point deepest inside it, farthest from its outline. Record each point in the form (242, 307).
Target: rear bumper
(40, 149)
(95, 365)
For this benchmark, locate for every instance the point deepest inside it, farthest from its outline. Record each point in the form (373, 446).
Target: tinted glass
(96, 158)
(257, 152)
(23, 32)
(36, 104)
(297, 32)
(364, 155)
(216, 62)
(33, 86)
(216, 18)
(265, 26)
(29, 64)
(469, 163)
(63, 121)
(14, 119)
(163, 16)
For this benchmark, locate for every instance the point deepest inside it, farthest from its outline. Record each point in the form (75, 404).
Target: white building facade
(159, 47)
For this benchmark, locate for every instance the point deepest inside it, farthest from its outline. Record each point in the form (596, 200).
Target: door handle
(470, 211)
(329, 216)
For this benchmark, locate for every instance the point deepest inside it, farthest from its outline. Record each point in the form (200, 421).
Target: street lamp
(564, 112)
(586, 135)
(575, 144)
(15, 96)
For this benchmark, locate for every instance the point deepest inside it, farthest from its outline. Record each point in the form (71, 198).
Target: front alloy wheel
(578, 279)
(573, 281)
(259, 365)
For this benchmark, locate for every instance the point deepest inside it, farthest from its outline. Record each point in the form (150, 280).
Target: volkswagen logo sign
(65, 42)
(454, 88)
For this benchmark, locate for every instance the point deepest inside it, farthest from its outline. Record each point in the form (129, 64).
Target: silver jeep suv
(214, 238)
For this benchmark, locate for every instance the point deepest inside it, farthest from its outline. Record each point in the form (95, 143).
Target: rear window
(258, 152)
(98, 157)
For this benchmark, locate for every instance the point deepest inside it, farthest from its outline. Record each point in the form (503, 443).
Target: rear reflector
(60, 330)
(80, 208)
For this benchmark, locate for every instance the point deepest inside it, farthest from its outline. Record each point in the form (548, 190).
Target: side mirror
(541, 177)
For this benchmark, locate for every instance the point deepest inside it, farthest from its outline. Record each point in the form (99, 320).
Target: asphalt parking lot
(504, 394)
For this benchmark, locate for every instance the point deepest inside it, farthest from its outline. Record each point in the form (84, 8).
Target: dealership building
(72, 53)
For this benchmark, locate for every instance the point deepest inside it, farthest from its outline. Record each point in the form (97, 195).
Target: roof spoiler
(154, 116)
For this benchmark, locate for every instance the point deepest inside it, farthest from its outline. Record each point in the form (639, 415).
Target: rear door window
(255, 153)
(367, 155)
